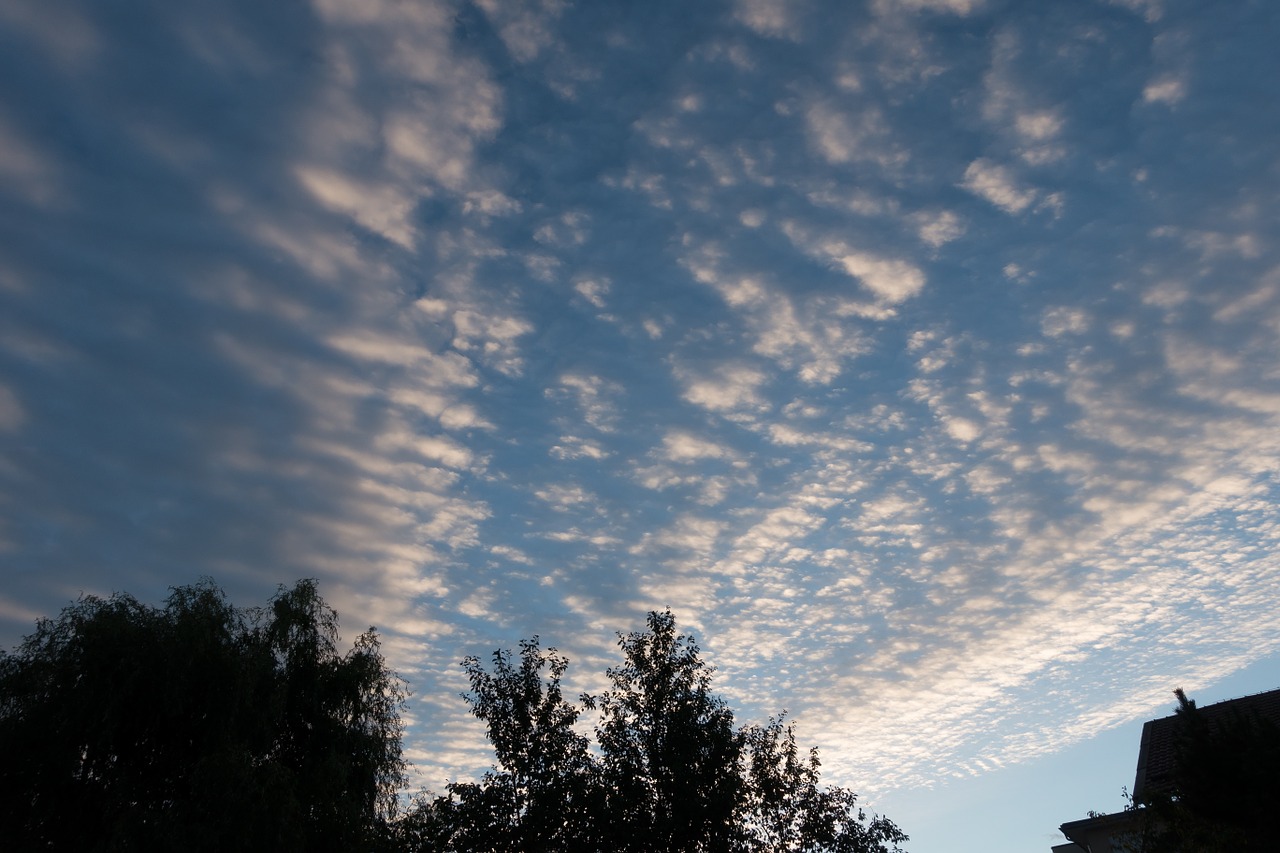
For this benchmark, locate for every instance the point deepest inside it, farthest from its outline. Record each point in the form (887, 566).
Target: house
(1155, 774)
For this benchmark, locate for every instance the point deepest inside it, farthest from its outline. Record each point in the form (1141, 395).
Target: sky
(922, 356)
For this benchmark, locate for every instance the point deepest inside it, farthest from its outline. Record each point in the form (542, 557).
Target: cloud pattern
(922, 356)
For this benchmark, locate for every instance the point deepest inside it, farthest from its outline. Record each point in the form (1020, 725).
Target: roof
(1081, 831)
(1158, 753)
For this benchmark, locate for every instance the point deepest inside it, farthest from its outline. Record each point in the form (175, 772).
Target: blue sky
(922, 356)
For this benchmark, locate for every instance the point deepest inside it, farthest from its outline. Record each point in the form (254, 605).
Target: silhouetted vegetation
(1225, 789)
(668, 771)
(201, 726)
(197, 726)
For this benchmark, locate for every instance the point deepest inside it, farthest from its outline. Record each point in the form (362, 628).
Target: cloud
(686, 447)
(1064, 321)
(775, 18)
(521, 319)
(12, 415)
(890, 280)
(725, 388)
(593, 291)
(806, 336)
(574, 447)
(937, 228)
(492, 339)
(996, 184)
(525, 28)
(1016, 108)
(1164, 91)
(594, 396)
(955, 7)
(1151, 10)
(26, 169)
(842, 138)
(63, 32)
(564, 497)
(385, 210)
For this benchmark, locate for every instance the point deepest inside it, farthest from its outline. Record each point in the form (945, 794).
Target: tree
(670, 750)
(544, 792)
(197, 726)
(668, 772)
(786, 808)
(1224, 789)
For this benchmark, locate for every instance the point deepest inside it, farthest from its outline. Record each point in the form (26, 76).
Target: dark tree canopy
(669, 746)
(1224, 793)
(197, 726)
(543, 792)
(669, 772)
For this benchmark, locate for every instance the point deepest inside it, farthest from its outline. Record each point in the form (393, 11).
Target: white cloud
(1031, 125)
(809, 337)
(937, 228)
(788, 436)
(694, 537)
(726, 388)
(889, 279)
(996, 184)
(566, 231)
(564, 497)
(962, 429)
(574, 534)
(383, 209)
(491, 338)
(768, 17)
(955, 7)
(444, 102)
(593, 290)
(682, 446)
(594, 396)
(525, 27)
(857, 201)
(490, 202)
(1164, 91)
(842, 138)
(1062, 320)
(1151, 10)
(1038, 126)
(575, 447)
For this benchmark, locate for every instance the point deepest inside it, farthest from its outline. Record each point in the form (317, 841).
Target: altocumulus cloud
(922, 356)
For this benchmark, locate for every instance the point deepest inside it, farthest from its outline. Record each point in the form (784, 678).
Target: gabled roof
(1158, 752)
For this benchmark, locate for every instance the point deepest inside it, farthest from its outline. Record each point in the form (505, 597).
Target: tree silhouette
(197, 726)
(544, 792)
(668, 772)
(787, 808)
(670, 749)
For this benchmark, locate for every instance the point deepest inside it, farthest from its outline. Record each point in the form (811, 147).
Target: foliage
(197, 726)
(543, 791)
(1224, 792)
(670, 750)
(668, 771)
(786, 809)
(200, 726)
